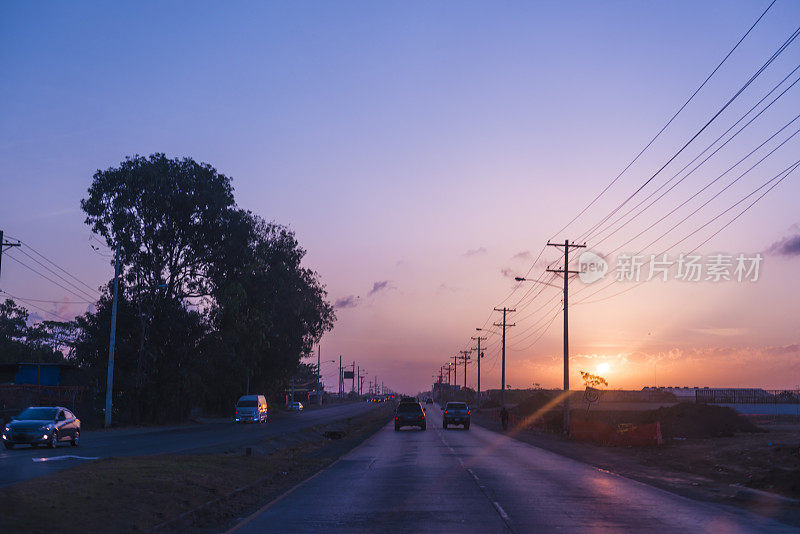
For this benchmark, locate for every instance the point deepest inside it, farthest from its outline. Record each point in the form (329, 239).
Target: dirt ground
(174, 493)
(718, 469)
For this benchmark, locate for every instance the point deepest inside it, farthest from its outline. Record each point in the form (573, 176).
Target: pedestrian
(504, 418)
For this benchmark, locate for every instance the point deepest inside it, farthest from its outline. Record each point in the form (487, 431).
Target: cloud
(788, 246)
(444, 288)
(723, 332)
(524, 255)
(785, 349)
(480, 251)
(379, 286)
(350, 301)
(508, 272)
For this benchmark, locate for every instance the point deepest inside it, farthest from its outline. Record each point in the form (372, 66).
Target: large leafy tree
(269, 309)
(212, 297)
(168, 216)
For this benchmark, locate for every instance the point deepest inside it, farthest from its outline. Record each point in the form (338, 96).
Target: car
(429, 401)
(42, 425)
(456, 413)
(252, 408)
(295, 407)
(409, 414)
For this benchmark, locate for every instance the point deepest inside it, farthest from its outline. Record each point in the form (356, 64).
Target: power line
(780, 177)
(54, 314)
(50, 301)
(780, 50)
(658, 134)
(46, 277)
(51, 271)
(594, 234)
(56, 265)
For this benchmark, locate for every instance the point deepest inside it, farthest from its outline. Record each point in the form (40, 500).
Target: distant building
(38, 374)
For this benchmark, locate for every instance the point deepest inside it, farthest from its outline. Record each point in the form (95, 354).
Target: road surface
(18, 464)
(481, 481)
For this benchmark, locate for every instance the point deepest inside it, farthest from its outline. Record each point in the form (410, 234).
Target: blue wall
(27, 374)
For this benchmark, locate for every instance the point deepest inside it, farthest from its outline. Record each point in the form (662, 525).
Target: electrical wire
(658, 134)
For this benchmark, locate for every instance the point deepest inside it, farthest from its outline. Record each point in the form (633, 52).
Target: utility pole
(319, 369)
(480, 355)
(567, 245)
(341, 385)
(465, 357)
(6, 244)
(505, 325)
(359, 380)
(455, 370)
(353, 386)
(110, 379)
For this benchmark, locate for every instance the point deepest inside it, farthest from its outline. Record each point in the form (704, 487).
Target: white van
(251, 408)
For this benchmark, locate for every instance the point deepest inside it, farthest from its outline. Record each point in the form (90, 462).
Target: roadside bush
(689, 420)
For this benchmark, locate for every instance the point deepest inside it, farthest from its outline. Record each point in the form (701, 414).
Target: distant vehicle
(409, 414)
(429, 401)
(456, 413)
(295, 407)
(409, 399)
(42, 426)
(251, 408)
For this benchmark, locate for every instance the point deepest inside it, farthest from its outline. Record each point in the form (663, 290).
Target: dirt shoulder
(169, 493)
(744, 470)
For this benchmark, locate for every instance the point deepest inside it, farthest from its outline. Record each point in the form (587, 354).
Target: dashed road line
(503, 515)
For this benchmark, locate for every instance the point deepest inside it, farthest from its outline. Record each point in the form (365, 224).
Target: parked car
(409, 414)
(429, 401)
(42, 425)
(251, 408)
(456, 413)
(295, 406)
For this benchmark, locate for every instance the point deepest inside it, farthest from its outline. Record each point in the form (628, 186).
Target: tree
(168, 216)
(21, 342)
(212, 297)
(593, 381)
(268, 310)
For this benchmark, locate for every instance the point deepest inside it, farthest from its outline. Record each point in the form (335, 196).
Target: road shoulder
(643, 466)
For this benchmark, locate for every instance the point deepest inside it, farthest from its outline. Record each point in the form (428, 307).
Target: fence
(747, 396)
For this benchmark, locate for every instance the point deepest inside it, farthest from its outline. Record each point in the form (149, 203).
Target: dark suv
(456, 413)
(409, 414)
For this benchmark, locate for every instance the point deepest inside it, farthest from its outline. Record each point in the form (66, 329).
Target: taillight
(423, 417)
(445, 412)
(397, 418)
(469, 412)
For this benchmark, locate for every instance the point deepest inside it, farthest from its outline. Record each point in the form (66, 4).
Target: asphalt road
(18, 464)
(481, 481)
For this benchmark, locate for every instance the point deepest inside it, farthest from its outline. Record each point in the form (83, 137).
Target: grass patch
(137, 494)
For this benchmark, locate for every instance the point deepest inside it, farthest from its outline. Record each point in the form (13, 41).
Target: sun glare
(603, 368)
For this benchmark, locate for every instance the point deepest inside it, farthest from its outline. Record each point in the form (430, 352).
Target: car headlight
(47, 427)
(7, 429)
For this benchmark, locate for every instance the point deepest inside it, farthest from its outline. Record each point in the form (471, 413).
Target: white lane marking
(65, 457)
(486, 492)
(500, 510)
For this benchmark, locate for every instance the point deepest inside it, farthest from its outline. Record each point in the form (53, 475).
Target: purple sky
(424, 154)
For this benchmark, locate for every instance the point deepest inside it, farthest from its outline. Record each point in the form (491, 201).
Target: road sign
(348, 375)
(591, 395)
